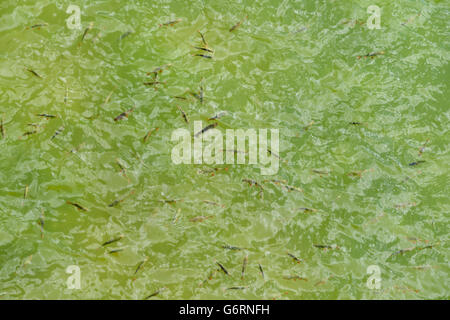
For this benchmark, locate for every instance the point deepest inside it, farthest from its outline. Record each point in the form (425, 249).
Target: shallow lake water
(361, 192)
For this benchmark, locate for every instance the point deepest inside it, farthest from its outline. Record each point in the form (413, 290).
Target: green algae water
(363, 144)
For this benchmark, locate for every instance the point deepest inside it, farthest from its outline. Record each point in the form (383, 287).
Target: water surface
(293, 66)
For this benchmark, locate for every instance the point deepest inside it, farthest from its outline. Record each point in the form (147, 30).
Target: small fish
(200, 218)
(320, 282)
(228, 247)
(371, 55)
(123, 115)
(261, 270)
(153, 83)
(28, 133)
(203, 38)
(320, 172)
(252, 183)
(237, 25)
(108, 97)
(76, 205)
(402, 251)
(275, 155)
(411, 19)
(34, 73)
(58, 132)
(237, 288)
(286, 186)
(309, 210)
(213, 203)
(278, 182)
(355, 123)
(126, 34)
(413, 176)
(295, 278)
(170, 23)
(122, 168)
(66, 95)
(113, 240)
(170, 201)
(153, 294)
(302, 29)
(256, 184)
(115, 251)
(158, 70)
(356, 174)
(37, 26)
(218, 115)
(116, 202)
(244, 265)
(183, 114)
(41, 223)
(180, 97)
(141, 264)
(45, 115)
(211, 126)
(223, 268)
(325, 247)
(201, 93)
(204, 49)
(202, 55)
(411, 249)
(293, 188)
(426, 247)
(415, 240)
(210, 276)
(77, 148)
(2, 127)
(25, 193)
(195, 95)
(424, 267)
(406, 289)
(36, 125)
(86, 31)
(294, 257)
(211, 171)
(149, 133)
(176, 217)
(416, 163)
(321, 246)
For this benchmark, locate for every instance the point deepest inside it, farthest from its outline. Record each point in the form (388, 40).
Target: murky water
(291, 66)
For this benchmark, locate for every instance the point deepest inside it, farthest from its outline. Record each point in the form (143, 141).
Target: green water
(290, 63)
